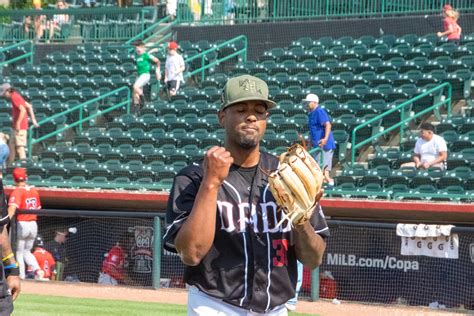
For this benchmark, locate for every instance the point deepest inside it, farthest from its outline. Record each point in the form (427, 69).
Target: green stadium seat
(456, 145)
(396, 188)
(383, 171)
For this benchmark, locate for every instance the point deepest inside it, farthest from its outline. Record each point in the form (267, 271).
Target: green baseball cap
(245, 88)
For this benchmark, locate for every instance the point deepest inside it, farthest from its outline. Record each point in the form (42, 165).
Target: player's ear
(221, 117)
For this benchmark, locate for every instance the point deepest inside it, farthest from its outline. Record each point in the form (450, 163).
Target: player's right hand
(217, 162)
(14, 286)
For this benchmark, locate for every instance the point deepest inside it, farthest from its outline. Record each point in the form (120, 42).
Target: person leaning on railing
(38, 22)
(58, 19)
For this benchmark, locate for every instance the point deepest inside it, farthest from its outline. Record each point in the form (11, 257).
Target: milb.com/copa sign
(388, 262)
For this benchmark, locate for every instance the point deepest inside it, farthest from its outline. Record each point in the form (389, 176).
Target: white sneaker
(290, 307)
(39, 275)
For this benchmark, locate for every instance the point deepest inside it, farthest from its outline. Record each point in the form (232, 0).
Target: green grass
(39, 305)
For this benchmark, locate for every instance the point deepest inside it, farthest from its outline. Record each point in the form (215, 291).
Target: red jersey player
(24, 197)
(45, 260)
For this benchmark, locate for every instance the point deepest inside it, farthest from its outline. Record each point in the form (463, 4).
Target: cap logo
(249, 85)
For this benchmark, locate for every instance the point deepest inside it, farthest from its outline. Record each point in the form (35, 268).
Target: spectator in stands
(20, 111)
(171, 7)
(451, 27)
(24, 198)
(58, 19)
(113, 267)
(143, 60)
(44, 258)
(321, 134)
(229, 13)
(174, 69)
(88, 3)
(38, 22)
(430, 150)
(4, 152)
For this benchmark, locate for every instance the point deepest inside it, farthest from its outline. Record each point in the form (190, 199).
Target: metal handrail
(202, 55)
(93, 31)
(466, 196)
(278, 10)
(81, 120)
(72, 11)
(161, 32)
(150, 29)
(403, 120)
(29, 55)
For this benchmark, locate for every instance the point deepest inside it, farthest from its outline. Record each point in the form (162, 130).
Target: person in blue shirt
(321, 134)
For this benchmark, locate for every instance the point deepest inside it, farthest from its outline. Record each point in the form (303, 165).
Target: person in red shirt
(20, 111)
(113, 267)
(24, 197)
(451, 27)
(45, 259)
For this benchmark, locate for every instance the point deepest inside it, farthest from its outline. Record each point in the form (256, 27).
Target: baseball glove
(296, 184)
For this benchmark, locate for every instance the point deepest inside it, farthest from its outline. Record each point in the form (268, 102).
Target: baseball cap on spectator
(311, 98)
(447, 7)
(19, 174)
(245, 88)
(427, 127)
(173, 45)
(4, 87)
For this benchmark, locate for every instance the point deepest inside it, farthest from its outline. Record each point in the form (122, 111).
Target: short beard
(248, 143)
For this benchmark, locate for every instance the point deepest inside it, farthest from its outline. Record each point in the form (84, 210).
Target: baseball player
(143, 60)
(20, 111)
(44, 258)
(25, 197)
(113, 266)
(223, 220)
(9, 280)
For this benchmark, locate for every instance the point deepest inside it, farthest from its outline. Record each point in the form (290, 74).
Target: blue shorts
(327, 159)
(4, 153)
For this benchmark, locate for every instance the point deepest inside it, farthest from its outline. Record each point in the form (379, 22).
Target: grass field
(39, 305)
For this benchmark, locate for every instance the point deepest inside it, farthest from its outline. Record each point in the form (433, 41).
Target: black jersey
(252, 262)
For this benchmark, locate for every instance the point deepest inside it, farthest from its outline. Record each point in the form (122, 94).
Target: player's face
(7, 94)
(245, 123)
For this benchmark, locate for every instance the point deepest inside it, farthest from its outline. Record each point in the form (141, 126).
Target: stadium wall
(373, 210)
(264, 36)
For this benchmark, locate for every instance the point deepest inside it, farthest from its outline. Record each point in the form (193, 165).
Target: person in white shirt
(430, 150)
(174, 69)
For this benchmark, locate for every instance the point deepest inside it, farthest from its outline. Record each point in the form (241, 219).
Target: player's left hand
(14, 285)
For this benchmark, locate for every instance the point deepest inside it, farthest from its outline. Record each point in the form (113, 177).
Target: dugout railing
(362, 262)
